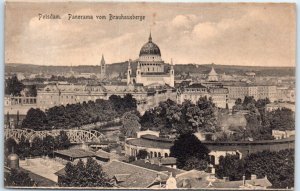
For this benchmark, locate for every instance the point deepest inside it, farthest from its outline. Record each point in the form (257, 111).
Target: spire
(129, 66)
(102, 60)
(172, 61)
(150, 38)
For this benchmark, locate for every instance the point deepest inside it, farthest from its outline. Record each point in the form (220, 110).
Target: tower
(138, 72)
(172, 74)
(129, 73)
(102, 68)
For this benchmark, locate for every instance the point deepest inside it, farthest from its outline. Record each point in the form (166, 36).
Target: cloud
(259, 35)
(184, 21)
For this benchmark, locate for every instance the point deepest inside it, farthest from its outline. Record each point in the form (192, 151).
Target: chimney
(253, 177)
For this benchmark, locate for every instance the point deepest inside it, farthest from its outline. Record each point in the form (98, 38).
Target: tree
(195, 163)
(186, 147)
(282, 119)
(32, 91)
(130, 123)
(35, 120)
(62, 140)
(84, 175)
(13, 86)
(10, 146)
(202, 116)
(49, 145)
(277, 166)
(23, 149)
(37, 148)
(230, 166)
(18, 178)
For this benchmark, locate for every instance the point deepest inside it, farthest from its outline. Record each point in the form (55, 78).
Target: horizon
(165, 63)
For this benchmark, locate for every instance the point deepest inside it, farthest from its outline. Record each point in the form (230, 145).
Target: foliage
(277, 166)
(23, 148)
(84, 175)
(10, 146)
(13, 86)
(35, 119)
(38, 147)
(184, 118)
(260, 122)
(282, 119)
(79, 114)
(131, 125)
(18, 178)
(195, 163)
(62, 140)
(230, 166)
(186, 147)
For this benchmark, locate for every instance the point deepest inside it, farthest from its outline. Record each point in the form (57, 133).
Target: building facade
(151, 68)
(195, 91)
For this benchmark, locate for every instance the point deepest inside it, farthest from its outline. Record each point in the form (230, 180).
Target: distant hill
(121, 68)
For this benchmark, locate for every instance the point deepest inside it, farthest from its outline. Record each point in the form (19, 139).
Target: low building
(275, 106)
(278, 134)
(195, 91)
(151, 164)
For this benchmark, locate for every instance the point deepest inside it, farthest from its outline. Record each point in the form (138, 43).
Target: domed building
(151, 68)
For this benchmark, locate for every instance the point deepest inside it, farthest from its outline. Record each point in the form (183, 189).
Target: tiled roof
(143, 163)
(138, 177)
(263, 182)
(193, 179)
(196, 85)
(102, 154)
(149, 143)
(76, 153)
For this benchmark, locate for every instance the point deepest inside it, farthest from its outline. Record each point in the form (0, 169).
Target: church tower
(102, 68)
(172, 74)
(129, 73)
(138, 72)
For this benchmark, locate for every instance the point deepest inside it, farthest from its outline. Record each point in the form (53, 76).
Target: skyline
(225, 34)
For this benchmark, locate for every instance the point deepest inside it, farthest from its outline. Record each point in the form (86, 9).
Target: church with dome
(151, 69)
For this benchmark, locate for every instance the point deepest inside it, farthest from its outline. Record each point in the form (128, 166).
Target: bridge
(75, 135)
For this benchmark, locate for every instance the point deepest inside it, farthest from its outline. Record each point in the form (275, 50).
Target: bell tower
(129, 72)
(102, 68)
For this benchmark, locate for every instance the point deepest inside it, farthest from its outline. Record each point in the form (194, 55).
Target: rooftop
(132, 176)
(76, 153)
(147, 164)
(262, 182)
(149, 143)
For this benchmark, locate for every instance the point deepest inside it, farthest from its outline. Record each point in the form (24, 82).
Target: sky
(201, 33)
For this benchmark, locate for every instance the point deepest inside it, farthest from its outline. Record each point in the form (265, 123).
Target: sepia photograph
(149, 95)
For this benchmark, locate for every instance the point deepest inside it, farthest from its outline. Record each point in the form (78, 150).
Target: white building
(151, 68)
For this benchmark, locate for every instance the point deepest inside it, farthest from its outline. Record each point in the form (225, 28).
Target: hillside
(121, 68)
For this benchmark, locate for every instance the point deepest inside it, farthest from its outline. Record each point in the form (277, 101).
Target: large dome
(150, 48)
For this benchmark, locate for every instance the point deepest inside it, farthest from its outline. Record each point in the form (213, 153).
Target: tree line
(277, 166)
(260, 121)
(89, 174)
(183, 118)
(14, 87)
(38, 146)
(79, 114)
